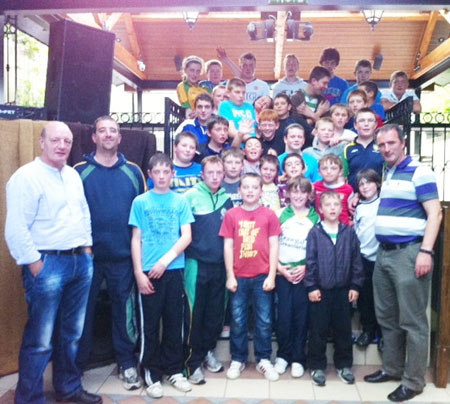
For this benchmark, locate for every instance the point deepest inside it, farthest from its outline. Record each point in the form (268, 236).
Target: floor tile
(336, 390)
(375, 391)
(293, 389)
(9, 381)
(171, 391)
(373, 356)
(101, 371)
(212, 388)
(433, 394)
(246, 388)
(112, 385)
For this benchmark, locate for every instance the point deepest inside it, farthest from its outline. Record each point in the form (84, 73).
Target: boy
(269, 176)
(161, 221)
(330, 168)
(267, 127)
(253, 150)
(217, 130)
(340, 115)
(333, 279)
(363, 71)
(357, 100)
(233, 161)
(371, 90)
(294, 138)
(324, 132)
(205, 272)
(250, 250)
(398, 92)
(240, 114)
(336, 87)
(363, 152)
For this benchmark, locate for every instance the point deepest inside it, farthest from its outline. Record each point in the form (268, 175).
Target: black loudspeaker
(79, 73)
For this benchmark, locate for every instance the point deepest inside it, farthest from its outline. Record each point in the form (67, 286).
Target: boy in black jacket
(334, 276)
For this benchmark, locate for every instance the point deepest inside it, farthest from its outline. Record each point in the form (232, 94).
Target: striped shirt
(401, 217)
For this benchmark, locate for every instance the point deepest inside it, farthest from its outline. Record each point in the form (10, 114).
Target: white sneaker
(180, 382)
(212, 363)
(235, 369)
(155, 390)
(266, 368)
(280, 365)
(297, 369)
(197, 377)
(130, 378)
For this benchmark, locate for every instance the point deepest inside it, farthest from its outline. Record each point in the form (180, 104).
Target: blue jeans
(56, 299)
(251, 289)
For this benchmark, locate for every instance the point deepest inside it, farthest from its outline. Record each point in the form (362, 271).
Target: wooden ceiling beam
(427, 35)
(128, 60)
(112, 20)
(280, 37)
(433, 59)
(132, 37)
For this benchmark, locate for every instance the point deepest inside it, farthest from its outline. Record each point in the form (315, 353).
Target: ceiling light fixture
(190, 17)
(373, 17)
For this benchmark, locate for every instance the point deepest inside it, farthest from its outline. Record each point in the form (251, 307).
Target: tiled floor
(250, 388)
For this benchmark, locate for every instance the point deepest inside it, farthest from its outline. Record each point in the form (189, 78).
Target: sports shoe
(197, 377)
(266, 368)
(297, 369)
(346, 375)
(318, 377)
(212, 363)
(179, 382)
(155, 390)
(130, 378)
(280, 365)
(235, 369)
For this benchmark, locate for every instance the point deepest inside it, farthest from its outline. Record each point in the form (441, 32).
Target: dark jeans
(292, 320)
(167, 303)
(57, 299)
(366, 305)
(120, 284)
(250, 289)
(332, 311)
(206, 302)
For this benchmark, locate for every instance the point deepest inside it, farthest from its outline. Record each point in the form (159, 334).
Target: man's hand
(315, 296)
(353, 295)
(144, 284)
(269, 284)
(424, 264)
(36, 267)
(157, 271)
(232, 284)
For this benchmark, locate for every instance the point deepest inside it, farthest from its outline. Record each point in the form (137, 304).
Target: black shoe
(403, 393)
(364, 339)
(83, 397)
(379, 377)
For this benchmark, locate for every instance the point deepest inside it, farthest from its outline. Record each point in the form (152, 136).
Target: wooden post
(442, 347)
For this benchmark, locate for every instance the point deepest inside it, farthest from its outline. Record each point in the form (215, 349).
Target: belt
(398, 246)
(72, 251)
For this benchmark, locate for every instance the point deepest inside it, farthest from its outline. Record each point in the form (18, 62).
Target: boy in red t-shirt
(250, 250)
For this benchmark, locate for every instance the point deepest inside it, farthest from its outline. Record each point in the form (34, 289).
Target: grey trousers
(400, 306)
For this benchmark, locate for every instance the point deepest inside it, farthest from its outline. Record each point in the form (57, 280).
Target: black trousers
(366, 305)
(334, 312)
(166, 304)
(206, 305)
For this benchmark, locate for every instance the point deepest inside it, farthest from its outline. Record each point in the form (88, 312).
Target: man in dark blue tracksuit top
(110, 185)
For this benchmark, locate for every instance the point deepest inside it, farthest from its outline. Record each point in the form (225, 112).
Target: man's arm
(181, 244)
(433, 211)
(222, 55)
(144, 284)
(228, 255)
(269, 283)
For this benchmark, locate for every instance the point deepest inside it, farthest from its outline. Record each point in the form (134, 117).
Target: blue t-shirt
(335, 90)
(160, 217)
(184, 179)
(236, 113)
(312, 166)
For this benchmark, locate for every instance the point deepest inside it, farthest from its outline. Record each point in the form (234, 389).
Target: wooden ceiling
(157, 39)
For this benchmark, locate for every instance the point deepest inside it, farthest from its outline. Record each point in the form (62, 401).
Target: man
(336, 87)
(290, 83)
(406, 226)
(315, 105)
(399, 91)
(363, 71)
(203, 109)
(48, 232)
(255, 88)
(110, 185)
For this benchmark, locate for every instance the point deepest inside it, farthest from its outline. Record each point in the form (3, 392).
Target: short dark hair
(216, 120)
(364, 111)
(391, 126)
(269, 158)
(332, 158)
(235, 82)
(284, 96)
(363, 63)
(185, 134)
(247, 55)
(104, 118)
(330, 54)
(160, 158)
(369, 175)
(252, 138)
(302, 184)
(204, 97)
(296, 155)
(329, 194)
(318, 73)
(361, 93)
(370, 86)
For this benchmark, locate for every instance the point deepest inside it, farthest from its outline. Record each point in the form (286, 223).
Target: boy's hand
(269, 284)
(190, 114)
(335, 140)
(221, 53)
(157, 271)
(315, 296)
(353, 295)
(232, 284)
(144, 285)
(352, 203)
(298, 273)
(323, 107)
(246, 126)
(273, 152)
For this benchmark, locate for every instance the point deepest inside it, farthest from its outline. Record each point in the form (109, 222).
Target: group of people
(281, 212)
